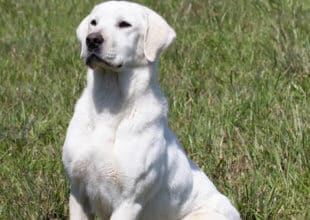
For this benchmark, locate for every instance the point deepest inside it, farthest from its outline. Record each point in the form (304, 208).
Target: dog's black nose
(94, 40)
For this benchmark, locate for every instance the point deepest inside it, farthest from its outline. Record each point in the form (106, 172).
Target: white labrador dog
(122, 159)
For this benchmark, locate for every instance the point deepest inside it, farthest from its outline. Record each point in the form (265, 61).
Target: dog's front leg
(128, 211)
(77, 211)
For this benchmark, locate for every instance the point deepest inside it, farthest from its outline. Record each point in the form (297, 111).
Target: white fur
(122, 159)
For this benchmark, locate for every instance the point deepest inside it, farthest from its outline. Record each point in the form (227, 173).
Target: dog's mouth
(93, 61)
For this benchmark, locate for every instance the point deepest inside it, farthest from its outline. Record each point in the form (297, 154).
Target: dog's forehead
(118, 9)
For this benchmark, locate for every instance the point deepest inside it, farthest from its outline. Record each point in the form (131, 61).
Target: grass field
(237, 80)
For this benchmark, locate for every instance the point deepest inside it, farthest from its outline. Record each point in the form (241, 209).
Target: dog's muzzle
(94, 43)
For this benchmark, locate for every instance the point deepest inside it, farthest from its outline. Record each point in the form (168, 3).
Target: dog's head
(118, 34)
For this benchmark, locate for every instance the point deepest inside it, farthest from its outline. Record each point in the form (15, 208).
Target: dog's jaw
(102, 65)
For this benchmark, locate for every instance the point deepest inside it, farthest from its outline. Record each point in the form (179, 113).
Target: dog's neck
(113, 91)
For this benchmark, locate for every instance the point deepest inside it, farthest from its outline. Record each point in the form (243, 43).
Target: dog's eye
(124, 24)
(93, 22)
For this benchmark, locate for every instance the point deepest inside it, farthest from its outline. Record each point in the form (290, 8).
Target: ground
(236, 78)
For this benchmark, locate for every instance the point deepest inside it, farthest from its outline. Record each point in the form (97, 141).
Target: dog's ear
(158, 35)
(82, 31)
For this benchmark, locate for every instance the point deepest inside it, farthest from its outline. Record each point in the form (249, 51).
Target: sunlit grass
(237, 81)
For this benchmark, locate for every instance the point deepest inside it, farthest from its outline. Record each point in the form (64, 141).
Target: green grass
(237, 80)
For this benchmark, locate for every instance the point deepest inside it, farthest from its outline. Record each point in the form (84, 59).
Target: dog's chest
(90, 162)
